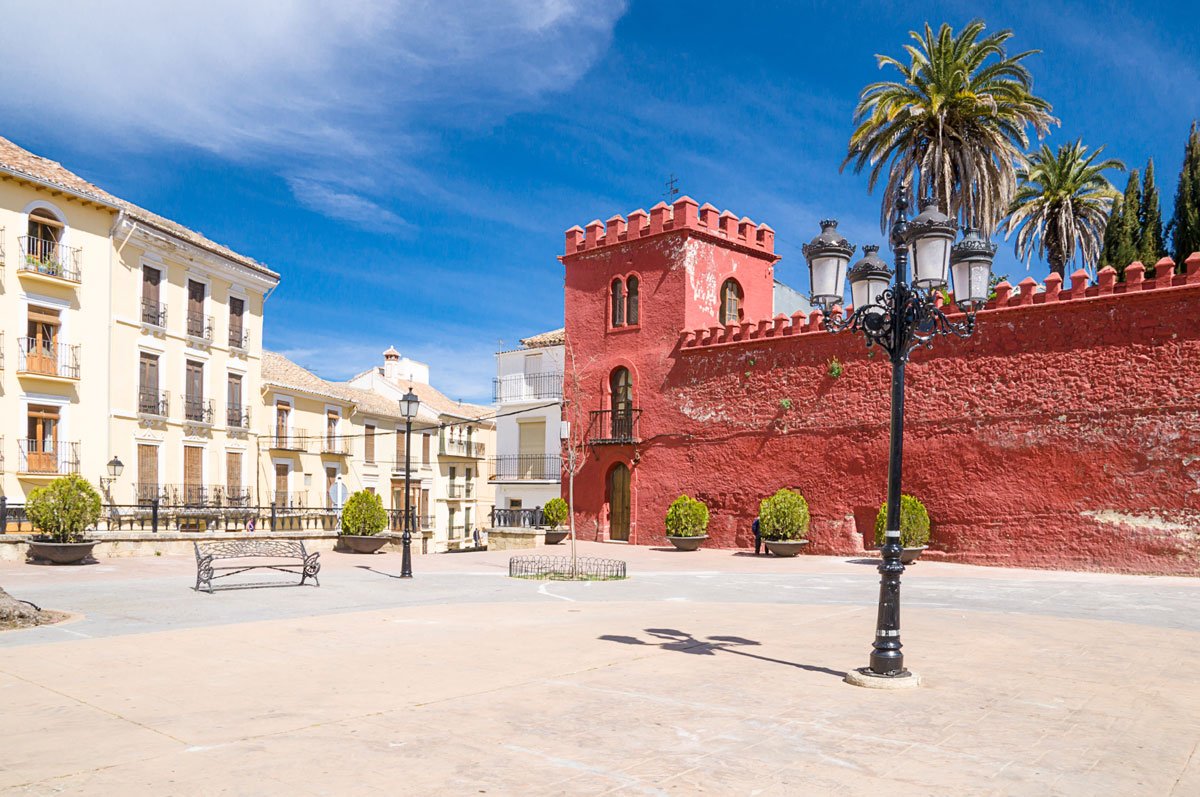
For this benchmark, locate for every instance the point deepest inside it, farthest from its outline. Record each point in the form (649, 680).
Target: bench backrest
(233, 549)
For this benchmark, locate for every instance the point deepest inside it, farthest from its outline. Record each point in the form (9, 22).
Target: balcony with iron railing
(296, 499)
(420, 522)
(154, 403)
(335, 444)
(546, 385)
(198, 411)
(237, 417)
(526, 467)
(42, 457)
(154, 314)
(42, 358)
(294, 440)
(192, 495)
(451, 447)
(614, 427)
(457, 490)
(239, 338)
(48, 259)
(199, 326)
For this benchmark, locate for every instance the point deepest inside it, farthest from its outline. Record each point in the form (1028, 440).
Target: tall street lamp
(898, 315)
(409, 405)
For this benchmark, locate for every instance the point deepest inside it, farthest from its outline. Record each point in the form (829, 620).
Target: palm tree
(1061, 208)
(957, 122)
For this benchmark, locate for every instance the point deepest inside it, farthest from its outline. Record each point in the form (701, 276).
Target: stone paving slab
(561, 697)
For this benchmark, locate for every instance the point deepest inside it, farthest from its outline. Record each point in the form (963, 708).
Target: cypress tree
(1185, 226)
(1150, 238)
(1112, 238)
(1125, 244)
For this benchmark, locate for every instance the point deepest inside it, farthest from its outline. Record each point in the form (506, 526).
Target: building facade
(127, 336)
(526, 470)
(1064, 433)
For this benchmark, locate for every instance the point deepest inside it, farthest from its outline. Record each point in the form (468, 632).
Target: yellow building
(126, 335)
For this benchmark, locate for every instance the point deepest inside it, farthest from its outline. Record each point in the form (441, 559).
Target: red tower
(632, 286)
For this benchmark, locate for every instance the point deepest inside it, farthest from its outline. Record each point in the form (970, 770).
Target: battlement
(1026, 295)
(684, 213)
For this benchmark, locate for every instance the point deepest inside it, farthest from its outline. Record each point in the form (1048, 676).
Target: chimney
(391, 363)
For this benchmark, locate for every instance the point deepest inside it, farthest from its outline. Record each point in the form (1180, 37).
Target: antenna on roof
(672, 187)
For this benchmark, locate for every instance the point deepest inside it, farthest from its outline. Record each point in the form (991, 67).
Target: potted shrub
(63, 510)
(687, 523)
(554, 513)
(363, 517)
(783, 522)
(914, 528)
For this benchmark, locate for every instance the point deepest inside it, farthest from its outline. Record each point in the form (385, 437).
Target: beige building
(126, 335)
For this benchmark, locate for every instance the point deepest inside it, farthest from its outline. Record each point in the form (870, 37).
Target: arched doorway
(618, 503)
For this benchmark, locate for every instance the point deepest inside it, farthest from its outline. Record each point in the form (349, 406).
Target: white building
(527, 468)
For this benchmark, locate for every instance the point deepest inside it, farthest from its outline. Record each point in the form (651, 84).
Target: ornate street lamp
(409, 405)
(115, 468)
(898, 316)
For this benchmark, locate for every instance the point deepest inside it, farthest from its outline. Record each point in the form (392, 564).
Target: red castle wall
(1065, 433)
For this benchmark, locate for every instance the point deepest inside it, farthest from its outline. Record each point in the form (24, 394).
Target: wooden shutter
(233, 472)
(369, 444)
(237, 309)
(281, 483)
(195, 381)
(151, 279)
(193, 473)
(148, 378)
(425, 441)
(330, 478)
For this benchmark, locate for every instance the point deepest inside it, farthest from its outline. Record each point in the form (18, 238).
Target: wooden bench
(285, 556)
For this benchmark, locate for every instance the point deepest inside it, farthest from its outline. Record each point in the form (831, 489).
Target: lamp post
(409, 405)
(898, 314)
(115, 468)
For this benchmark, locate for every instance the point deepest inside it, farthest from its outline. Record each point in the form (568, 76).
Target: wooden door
(151, 279)
(193, 475)
(281, 484)
(43, 440)
(282, 411)
(233, 400)
(618, 503)
(194, 390)
(233, 476)
(148, 384)
(237, 310)
(330, 477)
(147, 486)
(43, 341)
(195, 319)
(621, 391)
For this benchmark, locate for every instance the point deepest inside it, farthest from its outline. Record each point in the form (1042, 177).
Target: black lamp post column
(406, 538)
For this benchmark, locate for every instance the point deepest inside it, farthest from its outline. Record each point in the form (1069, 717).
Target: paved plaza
(708, 673)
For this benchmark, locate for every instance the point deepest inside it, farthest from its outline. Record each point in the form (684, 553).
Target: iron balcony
(546, 385)
(527, 467)
(614, 427)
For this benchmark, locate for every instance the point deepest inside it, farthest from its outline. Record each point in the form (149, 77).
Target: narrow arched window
(620, 385)
(618, 303)
(731, 302)
(631, 301)
(44, 235)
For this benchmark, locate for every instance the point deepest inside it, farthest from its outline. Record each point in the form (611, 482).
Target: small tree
(363, 515)
(687, 517)
(64, 508)
(914, 523)
(783, 516)
(554, 512)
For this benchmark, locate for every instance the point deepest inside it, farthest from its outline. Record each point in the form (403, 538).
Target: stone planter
(785, 547)
(555, 536)
(360, 543)
(688, 543)
(61, 553)
(910, 555)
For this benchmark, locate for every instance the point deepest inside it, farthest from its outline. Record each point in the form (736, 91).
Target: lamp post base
(863, 676)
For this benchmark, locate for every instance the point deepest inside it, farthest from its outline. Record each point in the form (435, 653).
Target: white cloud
(348, 207)
(322, 91)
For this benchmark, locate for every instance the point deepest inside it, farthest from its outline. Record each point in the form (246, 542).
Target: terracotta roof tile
(555, 337)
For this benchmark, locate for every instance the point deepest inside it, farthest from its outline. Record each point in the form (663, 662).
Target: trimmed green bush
(363, 515)
(555, 512)
(687, 517)
(783, 516)
(64, 508)
(914, 523)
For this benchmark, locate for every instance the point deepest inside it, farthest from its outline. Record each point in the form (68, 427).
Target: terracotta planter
(688, 543)
(62, 553)
(785, 547)
(555, 536)
(910, 555)
(360, 543)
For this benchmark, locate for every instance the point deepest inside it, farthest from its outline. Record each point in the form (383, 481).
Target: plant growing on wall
(687, 517)
(363, 515)
(835, 369)
(914, 523)
(555, 512)
(64, 508)
(785, 403)
(783, 516)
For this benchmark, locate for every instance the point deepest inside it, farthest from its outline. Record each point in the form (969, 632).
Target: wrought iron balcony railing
(40, 356)
(456, 490)
(335, 444)
(614, 427)
(289, 500)
(528, 387)
(517, 518)
(156, 403)
(237, 417)
(295, 440)
(461, 448)
(154, 313)
(198, 410)
(44, 456)
(239, 338)
(49, 258)
(199, 326)
(420, 522)
(527, 467)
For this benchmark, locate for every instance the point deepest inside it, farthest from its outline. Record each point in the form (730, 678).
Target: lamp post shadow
(683, 642)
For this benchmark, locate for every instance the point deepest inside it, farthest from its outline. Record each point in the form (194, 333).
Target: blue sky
(410, 167)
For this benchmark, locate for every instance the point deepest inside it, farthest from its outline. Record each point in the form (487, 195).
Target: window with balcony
(235, 493)
(199, 326)
(193, 476)
(283, 415)
(196, 408)
(237, 415)
(151, 400)
(41, 350)
(154, 312)
(237, 325)
(147, 464)
(617, 424)
(731, 302)
(43, 250)
(41, 444)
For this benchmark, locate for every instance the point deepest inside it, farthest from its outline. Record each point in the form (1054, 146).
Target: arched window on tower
(731, 302)
(42, 242)
(631, 301)
(618, 303)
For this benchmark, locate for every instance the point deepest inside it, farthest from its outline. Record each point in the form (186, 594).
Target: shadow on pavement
(684, 642)
(377, 572)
